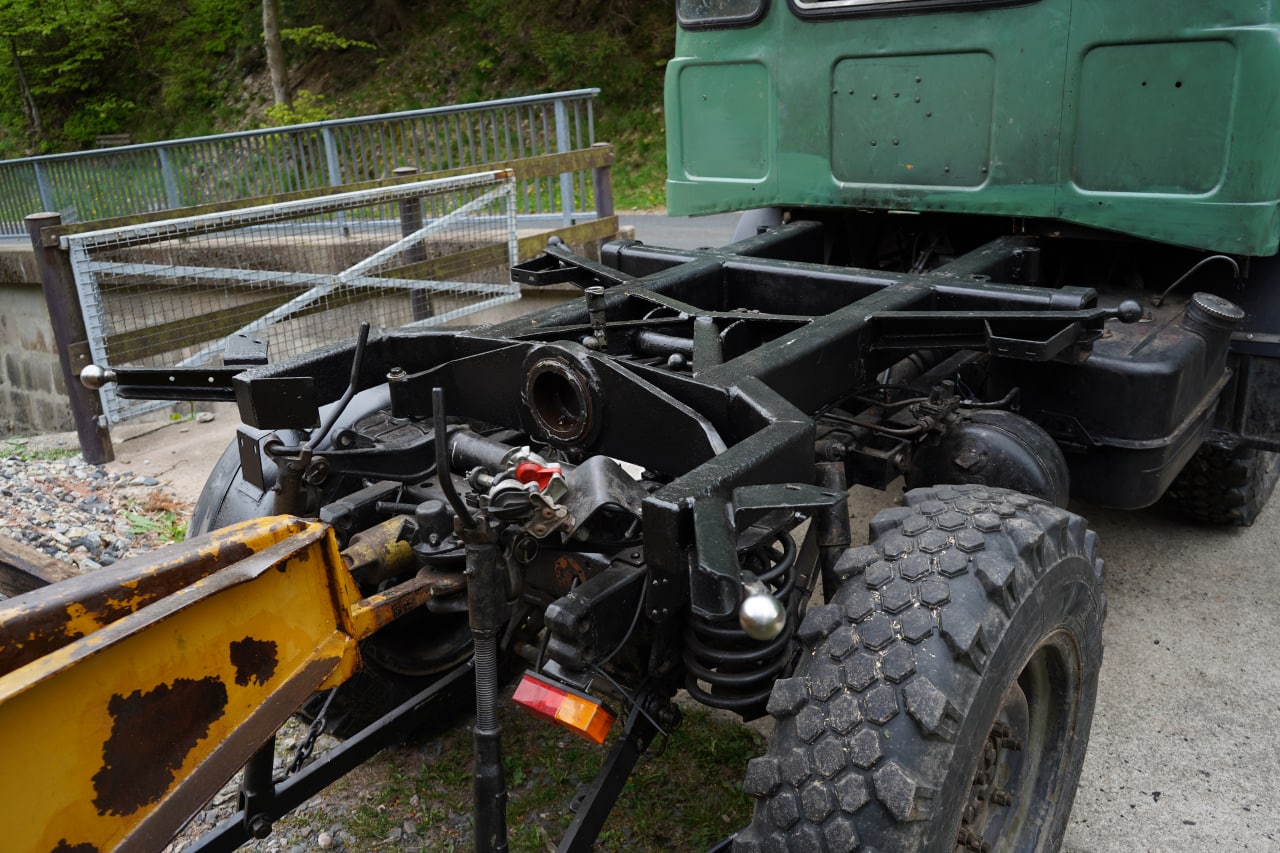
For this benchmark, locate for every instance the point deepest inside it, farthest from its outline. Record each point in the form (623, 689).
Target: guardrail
(158, 176)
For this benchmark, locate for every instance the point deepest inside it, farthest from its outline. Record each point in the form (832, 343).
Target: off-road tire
(1225, 486)
(892, 714)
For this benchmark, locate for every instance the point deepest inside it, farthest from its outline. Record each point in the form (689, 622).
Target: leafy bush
(307, 107)
(104, 114)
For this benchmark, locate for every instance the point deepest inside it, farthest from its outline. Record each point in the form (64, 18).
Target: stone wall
(33, 397)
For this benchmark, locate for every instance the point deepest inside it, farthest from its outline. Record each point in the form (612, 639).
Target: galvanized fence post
(411, 221)
(334, 169)
(602, 185)
(71, 338)
(44, 189)
(171, 196)
(563, 144)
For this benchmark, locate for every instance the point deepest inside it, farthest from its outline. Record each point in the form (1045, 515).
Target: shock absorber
(726, 668)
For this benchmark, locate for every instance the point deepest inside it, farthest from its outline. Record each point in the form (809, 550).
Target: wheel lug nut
(1001, 798)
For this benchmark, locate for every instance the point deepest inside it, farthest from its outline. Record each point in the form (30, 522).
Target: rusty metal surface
(40, 623)
(156, 685)
(155, 830)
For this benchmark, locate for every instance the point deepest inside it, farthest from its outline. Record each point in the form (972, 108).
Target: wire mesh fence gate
(295, 274)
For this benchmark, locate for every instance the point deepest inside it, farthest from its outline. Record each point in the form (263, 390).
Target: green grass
(166, 525)
(18, 447)
(640, 165)
(685, 794)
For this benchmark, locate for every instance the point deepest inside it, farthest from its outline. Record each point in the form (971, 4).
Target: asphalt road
(1185, 750)
(681, 232)
(1185, 753)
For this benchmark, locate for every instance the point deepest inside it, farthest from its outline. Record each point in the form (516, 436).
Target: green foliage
(200, 56)
(106, 113)
(307, 107)
(497, 48)
(318, 38)
(160, 70)
(165, 525)
(640, 167)
(93, 67)
(584, 43)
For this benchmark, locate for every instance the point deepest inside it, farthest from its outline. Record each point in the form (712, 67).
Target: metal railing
(156, 176)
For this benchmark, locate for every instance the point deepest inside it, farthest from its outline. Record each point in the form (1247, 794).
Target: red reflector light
(577, 712)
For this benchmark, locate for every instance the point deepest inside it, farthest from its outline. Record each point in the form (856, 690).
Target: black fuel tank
(1131, 415)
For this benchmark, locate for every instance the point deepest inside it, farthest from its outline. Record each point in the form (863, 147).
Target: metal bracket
(175, 383)
(594, 803)
(79, 355)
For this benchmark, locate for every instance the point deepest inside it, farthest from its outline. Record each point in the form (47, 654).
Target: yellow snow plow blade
(129, 696)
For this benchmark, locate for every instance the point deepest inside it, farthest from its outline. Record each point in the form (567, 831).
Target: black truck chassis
(746, 388)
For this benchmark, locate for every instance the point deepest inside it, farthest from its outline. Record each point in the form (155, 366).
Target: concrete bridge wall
(33, 397)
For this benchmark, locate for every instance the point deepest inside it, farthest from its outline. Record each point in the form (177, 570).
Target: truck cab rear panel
(1150, 119)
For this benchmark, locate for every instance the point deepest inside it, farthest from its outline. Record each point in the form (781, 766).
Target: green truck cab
(1122, 153)
(1156, 120)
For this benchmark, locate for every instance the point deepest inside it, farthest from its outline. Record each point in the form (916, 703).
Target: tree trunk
(275, 53)
(28, 102)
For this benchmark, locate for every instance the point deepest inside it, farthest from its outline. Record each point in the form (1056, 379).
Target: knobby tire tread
(867, 727)
(1220, 486)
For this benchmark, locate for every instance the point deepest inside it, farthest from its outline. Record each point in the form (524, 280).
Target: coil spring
(738, 670)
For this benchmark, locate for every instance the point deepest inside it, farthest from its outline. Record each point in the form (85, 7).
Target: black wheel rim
(1022, 762)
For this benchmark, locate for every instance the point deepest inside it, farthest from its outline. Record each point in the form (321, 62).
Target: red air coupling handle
(532, 472)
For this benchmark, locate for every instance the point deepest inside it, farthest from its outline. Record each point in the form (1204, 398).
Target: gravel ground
(79, 513)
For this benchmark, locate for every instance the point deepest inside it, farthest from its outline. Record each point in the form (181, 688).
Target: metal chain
(308, 745)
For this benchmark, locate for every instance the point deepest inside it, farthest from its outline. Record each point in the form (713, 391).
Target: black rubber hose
(356, 361)
(442, 459)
